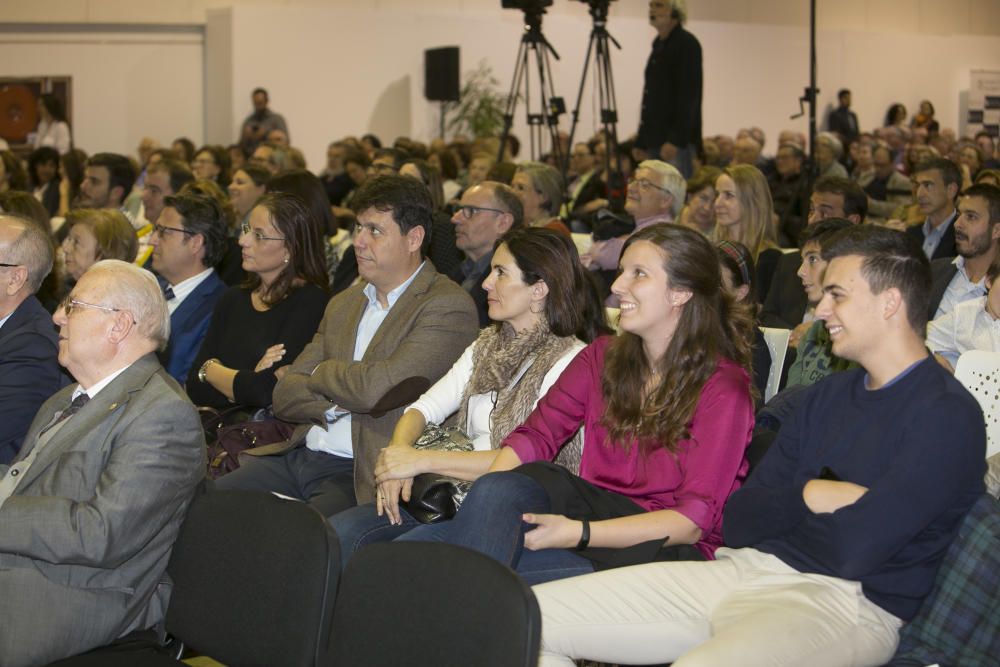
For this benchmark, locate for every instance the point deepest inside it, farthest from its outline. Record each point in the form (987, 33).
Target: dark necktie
(73, 408)
(168, 292)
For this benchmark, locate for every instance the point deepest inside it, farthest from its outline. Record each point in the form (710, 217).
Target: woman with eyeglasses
(544, 309)
(260, 327)
(212, 163)
(699, 212)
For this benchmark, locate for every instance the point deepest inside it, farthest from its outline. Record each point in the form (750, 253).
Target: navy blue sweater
(917, 445)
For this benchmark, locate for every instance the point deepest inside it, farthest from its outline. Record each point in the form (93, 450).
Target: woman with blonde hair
(744, 213)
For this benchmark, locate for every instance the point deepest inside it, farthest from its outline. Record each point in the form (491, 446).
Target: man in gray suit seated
(90, 508)
(380, 345)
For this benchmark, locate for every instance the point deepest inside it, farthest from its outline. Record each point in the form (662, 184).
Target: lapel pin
(112, 407)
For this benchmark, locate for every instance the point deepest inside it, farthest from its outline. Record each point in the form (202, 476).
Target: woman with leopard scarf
(545, 308)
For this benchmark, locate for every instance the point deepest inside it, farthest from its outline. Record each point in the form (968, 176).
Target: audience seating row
(256, 581)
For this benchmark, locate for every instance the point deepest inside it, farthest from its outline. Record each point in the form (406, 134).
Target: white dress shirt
(968, 327)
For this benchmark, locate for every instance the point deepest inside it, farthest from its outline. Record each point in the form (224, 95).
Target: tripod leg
(520, 66)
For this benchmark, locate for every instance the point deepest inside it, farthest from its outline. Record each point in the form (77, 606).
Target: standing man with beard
(670, 122)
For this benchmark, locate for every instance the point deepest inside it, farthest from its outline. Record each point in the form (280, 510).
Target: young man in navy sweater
(836, 537)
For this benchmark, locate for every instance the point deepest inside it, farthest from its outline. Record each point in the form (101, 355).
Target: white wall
(336, 71)
(125, 84)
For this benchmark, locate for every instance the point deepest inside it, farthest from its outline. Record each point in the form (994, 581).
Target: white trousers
(745, 608)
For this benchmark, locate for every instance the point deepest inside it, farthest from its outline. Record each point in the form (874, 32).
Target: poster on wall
(19, 113)
(984, 102)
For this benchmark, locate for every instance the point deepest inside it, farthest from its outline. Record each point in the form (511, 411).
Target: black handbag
(435, 497)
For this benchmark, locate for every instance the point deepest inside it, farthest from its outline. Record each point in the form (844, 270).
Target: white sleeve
(62, 138)
(942, 336)
(440, 401)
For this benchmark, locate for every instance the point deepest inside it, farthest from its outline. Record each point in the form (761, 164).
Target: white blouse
(56, 135)
(444, 398)
(967, 327)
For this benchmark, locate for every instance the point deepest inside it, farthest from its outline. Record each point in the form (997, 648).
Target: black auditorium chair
(255, 580)
(428, 603)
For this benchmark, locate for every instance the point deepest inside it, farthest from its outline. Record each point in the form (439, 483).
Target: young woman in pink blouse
(667, 414)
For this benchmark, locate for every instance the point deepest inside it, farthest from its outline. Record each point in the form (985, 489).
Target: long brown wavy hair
(711, 326)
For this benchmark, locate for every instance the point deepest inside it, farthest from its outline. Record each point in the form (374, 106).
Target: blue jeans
(490, 522)
(360, 526)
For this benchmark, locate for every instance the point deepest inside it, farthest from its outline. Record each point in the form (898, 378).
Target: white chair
(777, 345)
(979, 372)
(612, 314)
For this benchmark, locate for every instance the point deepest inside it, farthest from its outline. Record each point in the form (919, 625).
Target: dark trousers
(325, 481)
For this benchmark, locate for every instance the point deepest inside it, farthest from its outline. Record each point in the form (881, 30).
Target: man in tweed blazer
(381, 344)
(90, 508)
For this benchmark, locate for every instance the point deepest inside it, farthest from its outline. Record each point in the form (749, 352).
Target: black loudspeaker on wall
(441, 74)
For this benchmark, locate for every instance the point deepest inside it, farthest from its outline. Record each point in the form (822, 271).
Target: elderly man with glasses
(485, 213)
(655, 194)
(29, 372)
(91, 506)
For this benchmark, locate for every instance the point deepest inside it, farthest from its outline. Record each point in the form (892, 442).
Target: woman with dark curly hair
(667, 415)
(261, 326)
(43, 174)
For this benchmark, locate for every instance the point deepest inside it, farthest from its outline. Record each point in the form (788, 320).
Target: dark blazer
(29, 372)
(946, 248)
(672, 94)
(844, 122)
(942, 271)
(477, 292)
(593, 188)
(87, 533)
(767, 264)
(785, 303)
(188, 326)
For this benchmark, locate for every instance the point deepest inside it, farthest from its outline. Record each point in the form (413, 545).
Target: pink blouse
(695, 481)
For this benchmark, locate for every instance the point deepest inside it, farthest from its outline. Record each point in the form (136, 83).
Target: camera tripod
(534, 47)
(598, 48)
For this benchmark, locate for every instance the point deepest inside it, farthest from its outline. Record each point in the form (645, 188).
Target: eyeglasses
(467, 210)
(69, 305)
(163, 229)
(646, 184)
(259, 235)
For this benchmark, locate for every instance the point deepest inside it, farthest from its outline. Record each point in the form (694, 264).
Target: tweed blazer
(86, 535)
(428, 328)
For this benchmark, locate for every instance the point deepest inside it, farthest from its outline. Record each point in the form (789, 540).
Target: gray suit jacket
(426, 331)
(85, 538)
